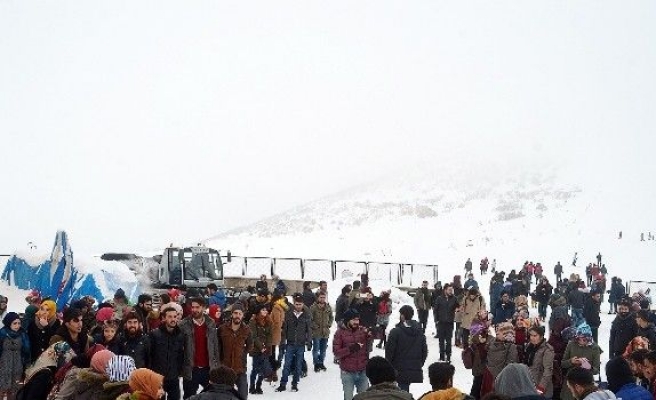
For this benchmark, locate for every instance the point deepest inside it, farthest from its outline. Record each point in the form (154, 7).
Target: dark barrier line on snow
(399, 268)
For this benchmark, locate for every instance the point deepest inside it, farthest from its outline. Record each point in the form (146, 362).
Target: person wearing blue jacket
(14, 354)
(216, 296)
(503, 310)
(622, 382)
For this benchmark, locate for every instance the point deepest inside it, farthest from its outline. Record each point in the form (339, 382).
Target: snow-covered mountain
(442, 216)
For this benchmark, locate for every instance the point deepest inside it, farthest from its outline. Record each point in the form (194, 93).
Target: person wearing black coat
(342, 303)
(308, 295)
(40, 335)
(503, 310)
(367, 311)
(623, 329)
(646, 328)
(576, 301)
(543, 292)
(591, 311)
(444, 309)
(407, 350)
(167, 352)
(134, 342)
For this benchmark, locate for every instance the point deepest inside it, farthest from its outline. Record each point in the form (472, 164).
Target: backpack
(468, 357)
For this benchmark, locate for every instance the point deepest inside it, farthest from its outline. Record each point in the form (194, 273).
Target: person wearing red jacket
(351, 348)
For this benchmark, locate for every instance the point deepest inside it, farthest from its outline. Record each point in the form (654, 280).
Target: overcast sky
(135, 124)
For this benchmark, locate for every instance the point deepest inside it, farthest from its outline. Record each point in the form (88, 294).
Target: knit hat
(237, 307)
(618, 373)
(515, 381)
(120, 294)
(380, 370)
(223, 376)
(30, 312)
(146, 381)
(584, 331)
(350, 314)
(119, 368)
(33, 297)
(506, 331)
(99, 361)
(52, 308)
(10, 318)
(104, 314)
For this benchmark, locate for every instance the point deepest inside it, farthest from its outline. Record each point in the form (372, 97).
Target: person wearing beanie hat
(514, 381)
(501, 351)
(622, 382)
(440, 375)
(14, 353)
(350, 347)
(382, 377)
(406, 349)
(28, 317)
(145, 385)
(222, 385)
(623, 329)
(104, 314)
(119, 369)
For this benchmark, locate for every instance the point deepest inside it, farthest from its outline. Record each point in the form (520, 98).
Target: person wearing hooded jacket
(406, 349)
(622, 382)
(514, 381)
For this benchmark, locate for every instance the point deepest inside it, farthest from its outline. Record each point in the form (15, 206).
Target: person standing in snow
(445, 310)
(322, 319)
(297, 332)
(406, 349)
(14, 354)
(623, 329)
(558, 271)
(422, 304)
(468, 265)
(351, 348)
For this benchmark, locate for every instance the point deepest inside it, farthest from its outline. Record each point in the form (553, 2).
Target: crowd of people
(193, 341)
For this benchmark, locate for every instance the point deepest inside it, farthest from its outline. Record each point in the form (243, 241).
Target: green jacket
(592, 353)
(322, 319)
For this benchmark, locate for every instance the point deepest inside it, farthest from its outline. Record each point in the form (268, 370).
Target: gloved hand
(309, 346)
(353, 347)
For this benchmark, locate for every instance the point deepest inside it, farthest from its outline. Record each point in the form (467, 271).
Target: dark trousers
(199, 377)
(476, 387)
(172, 389)
(423, 319)
(242, 385)
(595, 333)
(465, 337)
(404, 386)
(445, 334)
(542, 310)
(260, 367)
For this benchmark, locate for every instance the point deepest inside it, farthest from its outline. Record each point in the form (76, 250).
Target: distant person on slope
(422, 304)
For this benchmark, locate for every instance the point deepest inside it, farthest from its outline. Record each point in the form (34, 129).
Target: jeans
(542, 310)
(358, 380)
(319, 346)
(423, 319)
(292, 352)
(577, 316)
(172, 389)
(199, 377)
(445, 334)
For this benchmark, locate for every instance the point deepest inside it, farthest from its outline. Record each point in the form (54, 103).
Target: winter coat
(218, 298)
(471, 283)
(40, 336)
(89, 384)
(187, 328)
(601, 395)
(496, 290)
(650, 334)
(79, 347)
(407, 351)
(479, 345)
(344, 338)
(576, 299)
(445, 308)
(500, 354)
(383, 312)
(278, 311)
(632, 391)
(137, 347)
(446, 394)
(422, 299)
(622, 330)
(308, 297)
(541, 369)
(260, 335)
(617, 291)
(112, 390)
(322, 320)
(14, 356)
(167, 352)
(297, 330)
(591, 311)
(367, 311)
(503, 312)
(341, 305)
(543, 292)
(383, 391)
(66, 390)
(234, 345)
(217, 392)
(470, 309)
(592, 353)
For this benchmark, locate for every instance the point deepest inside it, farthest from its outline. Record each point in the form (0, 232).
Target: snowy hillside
(443, 218)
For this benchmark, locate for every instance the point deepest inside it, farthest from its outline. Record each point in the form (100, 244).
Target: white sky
(134, 124)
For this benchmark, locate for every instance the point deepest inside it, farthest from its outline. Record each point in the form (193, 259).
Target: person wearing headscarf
(145, 385)
(42, 328)
(622, 382)
(637, 343)
(14, 353)
(39, 377)
(583, 352)
(501, 351)
(119, 369)
(515, 381)
(90, 380)
(539, 359)
(65, 382)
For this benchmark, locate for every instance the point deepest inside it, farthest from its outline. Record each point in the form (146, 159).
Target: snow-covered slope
(446, 216)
